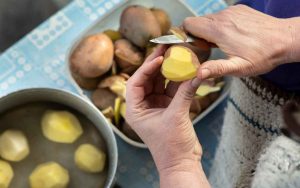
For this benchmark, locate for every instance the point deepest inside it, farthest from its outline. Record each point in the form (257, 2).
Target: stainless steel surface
(171, 39)
(22, 110)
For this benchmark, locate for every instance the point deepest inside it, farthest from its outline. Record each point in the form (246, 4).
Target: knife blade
(171, 39)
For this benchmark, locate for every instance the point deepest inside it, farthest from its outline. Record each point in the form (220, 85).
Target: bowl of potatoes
(107, 53)
(52, 138)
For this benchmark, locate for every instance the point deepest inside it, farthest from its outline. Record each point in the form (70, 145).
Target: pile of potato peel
(103, 62)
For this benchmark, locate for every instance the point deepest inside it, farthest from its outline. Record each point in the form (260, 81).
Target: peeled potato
(61, 126)
(6, 174)
(49, 175)
(93, 56)
(13, 145)
(139, 25)
(89, 158)
(180, 64)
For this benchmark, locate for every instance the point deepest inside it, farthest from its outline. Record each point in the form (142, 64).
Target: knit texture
(251, 149)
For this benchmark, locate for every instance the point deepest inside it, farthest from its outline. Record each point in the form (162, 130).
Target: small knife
(171, 39)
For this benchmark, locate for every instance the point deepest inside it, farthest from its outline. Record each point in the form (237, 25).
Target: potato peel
(179, 33)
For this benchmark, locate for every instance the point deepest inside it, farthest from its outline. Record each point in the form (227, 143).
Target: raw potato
(113, 35)
(49, 175)
(139, 25)
(202, 54)
(93, 56)
(6, 174)
(86, 83)
(90, 159)
(103, 98)
(14, 145)
(61, 126)
(127, 55)
(180, 64)
(163, 19)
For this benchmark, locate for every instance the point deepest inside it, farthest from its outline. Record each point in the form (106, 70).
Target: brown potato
(163, 19)
(180, 64)
(103, 98)
(127, 55)
(139, 25)
(93, 56)
(86, 83)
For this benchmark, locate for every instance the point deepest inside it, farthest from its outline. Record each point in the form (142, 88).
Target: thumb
(182, 100)
(217, 68)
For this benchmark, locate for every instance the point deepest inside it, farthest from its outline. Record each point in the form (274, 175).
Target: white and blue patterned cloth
(39, 60)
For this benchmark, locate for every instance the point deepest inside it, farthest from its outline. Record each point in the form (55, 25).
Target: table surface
(38, 60)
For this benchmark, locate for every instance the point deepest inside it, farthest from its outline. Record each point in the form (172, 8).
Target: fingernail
(205, 73)
(196, 82)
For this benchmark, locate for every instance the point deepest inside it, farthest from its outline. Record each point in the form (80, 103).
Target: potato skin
(139, 25)
(93, 56)
(202, 55)
(86, 83)
(126, 54)
(103, 98)
(163, 19)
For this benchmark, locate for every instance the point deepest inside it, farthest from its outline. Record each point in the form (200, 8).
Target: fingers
(202, 27)
(216, 68)
(159, 84)
(184, 96)
(159, 51)
(135, 88)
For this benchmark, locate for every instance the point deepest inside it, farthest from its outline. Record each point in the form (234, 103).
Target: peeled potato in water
(49, 175)
(13, 145)
(61, 126)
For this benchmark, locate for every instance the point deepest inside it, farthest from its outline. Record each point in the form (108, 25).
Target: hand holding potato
(161, 118)
(254, 42)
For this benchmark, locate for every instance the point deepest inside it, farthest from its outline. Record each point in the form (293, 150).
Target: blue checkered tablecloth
(39, 60)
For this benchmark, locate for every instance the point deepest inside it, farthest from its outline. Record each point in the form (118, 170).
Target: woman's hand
(254, 42)
(160, 116)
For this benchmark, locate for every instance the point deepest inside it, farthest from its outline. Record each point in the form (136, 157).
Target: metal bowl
(23, 109)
